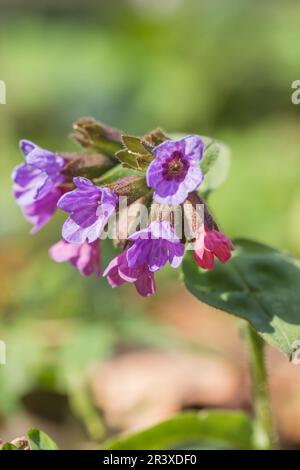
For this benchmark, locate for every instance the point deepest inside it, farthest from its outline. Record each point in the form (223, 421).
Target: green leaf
(8, 446)
(133, 160)
(215, 165)
(134, 155)
(116, 173)
(229, 429)
(39, 440)
(210, 155)
(134, 144)
(259, 284)
(128, 159)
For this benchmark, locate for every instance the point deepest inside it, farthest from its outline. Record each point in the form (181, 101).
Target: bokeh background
(85, 362)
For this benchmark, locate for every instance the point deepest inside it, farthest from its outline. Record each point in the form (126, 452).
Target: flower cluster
(154, 170)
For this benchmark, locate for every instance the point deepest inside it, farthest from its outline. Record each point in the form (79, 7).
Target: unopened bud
(133, 187)
(193, 213)
(96, 136)
(153, 139)
(87, 165)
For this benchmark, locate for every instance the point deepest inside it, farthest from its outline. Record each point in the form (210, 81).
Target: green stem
(263, 430)
(82, 406)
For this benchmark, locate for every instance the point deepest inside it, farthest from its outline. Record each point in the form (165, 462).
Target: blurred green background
(221, 68)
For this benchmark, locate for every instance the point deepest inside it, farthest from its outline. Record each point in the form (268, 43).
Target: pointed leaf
(39, 440)
(134, 144)
(229, 429)
(8, 446)
(116, 173)
(259, 284)
(136, 161)
(215, 164)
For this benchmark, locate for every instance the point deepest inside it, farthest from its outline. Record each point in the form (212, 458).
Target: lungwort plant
(149, 195)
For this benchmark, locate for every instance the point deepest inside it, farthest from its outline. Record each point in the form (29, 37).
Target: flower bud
(93, 135)
(133, 187)
(87, 165)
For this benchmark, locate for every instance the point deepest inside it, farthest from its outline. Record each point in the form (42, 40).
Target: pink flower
(21, 443)
(209, 244)
(84, 257)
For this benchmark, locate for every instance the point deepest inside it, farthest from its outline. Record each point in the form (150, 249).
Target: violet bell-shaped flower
(90, 208)
(154, 246)
(37, 183)
(175, 171)
(118, 272)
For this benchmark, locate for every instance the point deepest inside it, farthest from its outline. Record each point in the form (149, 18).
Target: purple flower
(154, 246)
(89, 207)
(118, 272)
(36, 183)
(175, 172)
(40, 211)
(85, 257)
(151, 249)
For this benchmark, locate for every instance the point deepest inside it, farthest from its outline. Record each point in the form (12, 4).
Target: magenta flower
(209, 244)
(37, 183)
(154, 246)
(118, 272)
(85, 257)
(175, 172)
(89, 207)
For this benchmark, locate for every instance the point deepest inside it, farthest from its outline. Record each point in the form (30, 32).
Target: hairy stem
(82, 406)
(263, 429)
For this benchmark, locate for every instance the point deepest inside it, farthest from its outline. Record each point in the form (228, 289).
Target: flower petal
(145, 284)
(26, 146)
